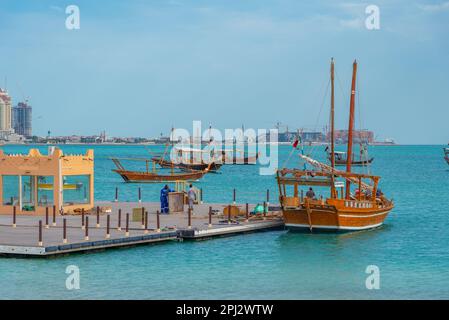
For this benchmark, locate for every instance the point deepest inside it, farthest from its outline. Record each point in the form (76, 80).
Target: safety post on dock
(127, 225)
(119, 220)
(116, 194)
(233, 196)
(86, 234)
(143, 218)
(46, 218)
(53, 223)
(264, 210)
(140, 194)
(189, 215)
(82, 219)
(64, 230)
(247, 212)
(40, 241)
(158, 221)
(98, 217)
(268, 197)
(201, 195)
(14, 217)
(108, 224)
(210, 217)
(146, 222)
(229, 214)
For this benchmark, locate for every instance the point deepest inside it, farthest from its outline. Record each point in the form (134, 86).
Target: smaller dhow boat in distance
(341, 160)
(154, 175)
(188, 159)
(238, 157)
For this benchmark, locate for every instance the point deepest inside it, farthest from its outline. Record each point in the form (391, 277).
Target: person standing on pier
(164, 198)
(191, 194)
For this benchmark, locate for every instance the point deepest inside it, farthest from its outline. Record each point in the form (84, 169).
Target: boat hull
(187, 166)
(447, 159)
(331, 220)
(241, 161)
(234, 160)
(354, 163)
(136, 176)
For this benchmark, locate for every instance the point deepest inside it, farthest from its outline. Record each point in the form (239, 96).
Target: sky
(137, 68)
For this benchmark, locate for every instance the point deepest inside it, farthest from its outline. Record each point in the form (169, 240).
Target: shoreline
(223, 144)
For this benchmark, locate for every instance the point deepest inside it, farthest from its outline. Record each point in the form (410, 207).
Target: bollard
(201, 195)
(46, 218)
(119, 224)
(98, 217)
(210, 217)
(116, 194)
(189, 212)
(229, 214)
(158, 222)
(86, 235)
(143, 218)
(264, 210)
(54, 216)
(64, 230)
(247, 212)
(82, 219)
(40, 242)
(233, 197)
(268, 197)
(146, 222)
(140, 195)
(127, 225)
(14, 216)
(108, 223)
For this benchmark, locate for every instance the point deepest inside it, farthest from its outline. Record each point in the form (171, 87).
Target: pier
(124, 224)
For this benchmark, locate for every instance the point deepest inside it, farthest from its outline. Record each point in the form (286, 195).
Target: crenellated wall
(56, 165)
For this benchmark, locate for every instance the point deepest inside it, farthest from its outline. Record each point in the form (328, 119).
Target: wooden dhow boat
(341, 160)
(188, 159)
(239, 157)
(154, 175)
(365, 208)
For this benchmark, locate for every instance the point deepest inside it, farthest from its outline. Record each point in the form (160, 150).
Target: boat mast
(351, 127)
(332, 127)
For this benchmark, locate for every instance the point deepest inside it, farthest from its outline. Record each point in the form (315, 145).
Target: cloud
(356, 23)
(56, 8)
(435, 7)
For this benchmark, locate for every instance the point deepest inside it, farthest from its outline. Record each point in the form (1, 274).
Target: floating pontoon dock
(26, 238)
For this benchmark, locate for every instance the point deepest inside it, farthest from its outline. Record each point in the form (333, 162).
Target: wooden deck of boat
(22, 241)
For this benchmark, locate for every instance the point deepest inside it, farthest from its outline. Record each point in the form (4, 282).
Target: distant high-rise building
(5, 111)
(22, 119)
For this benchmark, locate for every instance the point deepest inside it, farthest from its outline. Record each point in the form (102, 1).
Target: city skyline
(139, 69)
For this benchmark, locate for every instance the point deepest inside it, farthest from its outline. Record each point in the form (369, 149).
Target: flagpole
(302, 147)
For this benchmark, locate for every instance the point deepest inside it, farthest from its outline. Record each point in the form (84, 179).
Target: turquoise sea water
(411, 249)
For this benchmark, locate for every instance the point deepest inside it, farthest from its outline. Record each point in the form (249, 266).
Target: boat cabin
(364, 196)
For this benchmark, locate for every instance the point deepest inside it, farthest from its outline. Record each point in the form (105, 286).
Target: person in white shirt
(191, 195)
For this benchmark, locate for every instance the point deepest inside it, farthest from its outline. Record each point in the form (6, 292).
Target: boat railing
(359, 204)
